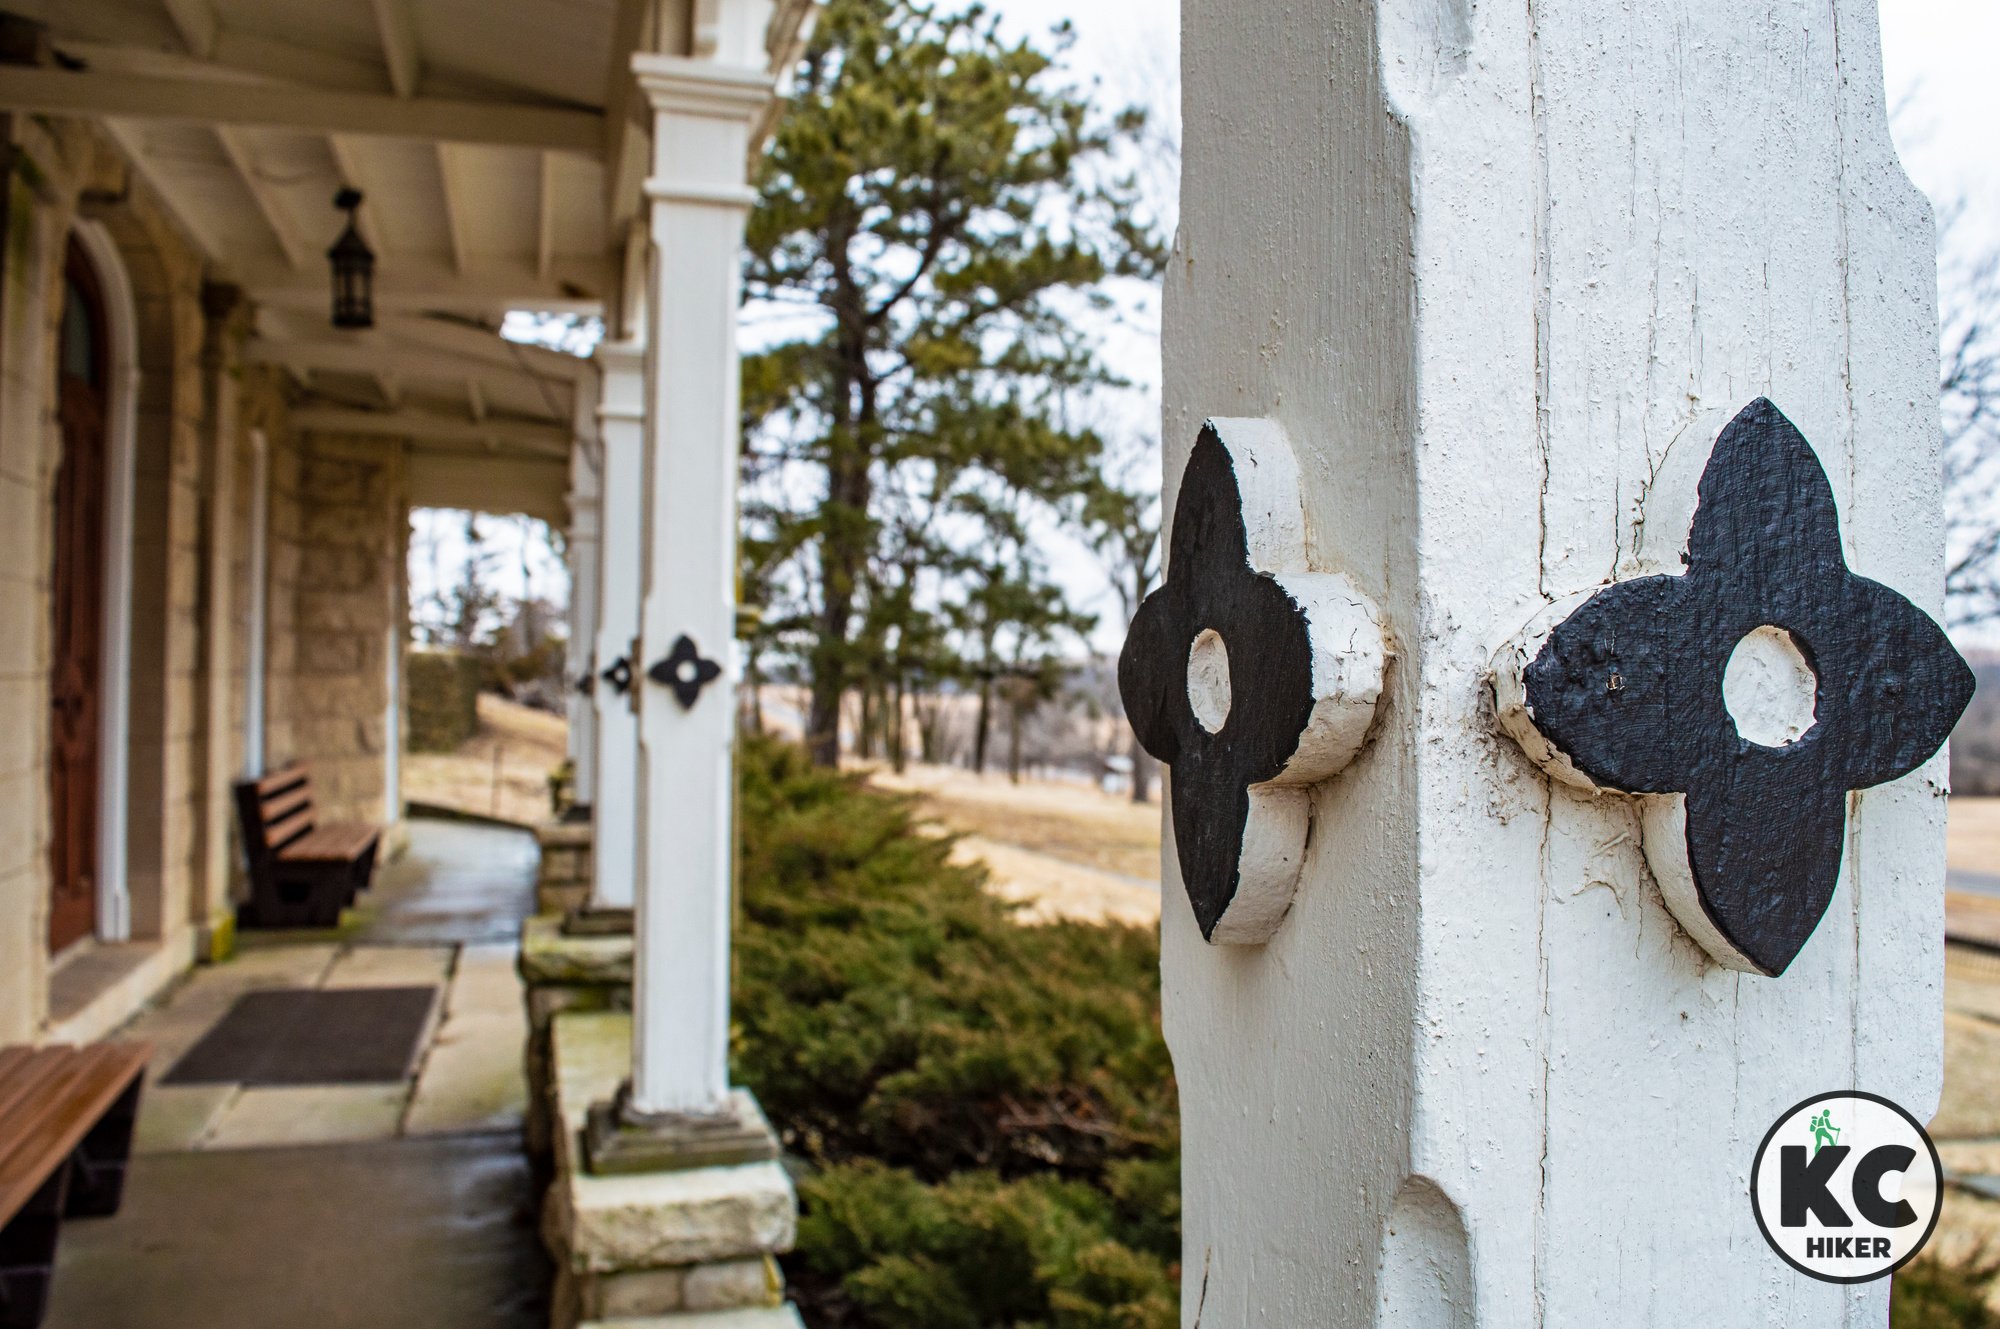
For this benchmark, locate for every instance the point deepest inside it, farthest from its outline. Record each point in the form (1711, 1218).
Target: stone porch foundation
(564, 883)
(562, 973)
(687, 1249)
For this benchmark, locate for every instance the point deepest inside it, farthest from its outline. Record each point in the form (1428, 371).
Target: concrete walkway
(378, 1204)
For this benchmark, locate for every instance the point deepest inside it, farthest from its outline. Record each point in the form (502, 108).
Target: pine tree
(939, 205)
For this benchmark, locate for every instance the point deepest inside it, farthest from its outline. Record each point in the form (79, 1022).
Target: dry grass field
(1060, 849)
(502, 772)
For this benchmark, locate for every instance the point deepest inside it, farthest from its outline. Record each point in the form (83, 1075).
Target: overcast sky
(1939, 58)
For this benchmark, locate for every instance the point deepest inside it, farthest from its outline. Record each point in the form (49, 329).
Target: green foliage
(1932, 1294)
(942, 204)
(973, 1251)
(987, 1110)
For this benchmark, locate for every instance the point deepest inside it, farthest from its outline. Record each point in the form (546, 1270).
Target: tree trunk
(843, 557)
(899, 755)
(823, 721)
(1142, 773)
(985, 719)
(1014, 741)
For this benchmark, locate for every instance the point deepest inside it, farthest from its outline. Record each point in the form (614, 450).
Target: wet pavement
(387, 1205)
(405, 1234)
(459, 882)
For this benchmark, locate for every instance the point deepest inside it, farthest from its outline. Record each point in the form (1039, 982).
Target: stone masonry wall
(55, 172)
(337, 523)
(337, 517)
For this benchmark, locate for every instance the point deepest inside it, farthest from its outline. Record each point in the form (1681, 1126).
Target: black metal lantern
(353, 270)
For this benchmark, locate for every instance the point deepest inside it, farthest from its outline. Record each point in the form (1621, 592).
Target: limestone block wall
(24, 476)
(166, 566)
(338, 520)
(57, 172)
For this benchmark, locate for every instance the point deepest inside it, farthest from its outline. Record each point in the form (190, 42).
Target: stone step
(779, 1317)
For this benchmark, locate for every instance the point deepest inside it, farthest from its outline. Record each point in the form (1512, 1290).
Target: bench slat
(282, 779)
(27, 1079)
(284, 805)
(333, 842)
(56, 1095)
(278, 834)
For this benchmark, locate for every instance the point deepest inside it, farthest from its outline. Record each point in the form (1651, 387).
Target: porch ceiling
(477, 129)
(453, 389)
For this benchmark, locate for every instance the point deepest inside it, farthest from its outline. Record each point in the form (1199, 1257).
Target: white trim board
(114, 900)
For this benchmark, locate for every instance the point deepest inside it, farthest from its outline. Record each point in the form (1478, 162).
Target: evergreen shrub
(983, 1113)
(1931, 1293)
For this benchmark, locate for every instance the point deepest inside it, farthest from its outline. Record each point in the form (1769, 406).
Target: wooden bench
(303, 872)
(66, 1118)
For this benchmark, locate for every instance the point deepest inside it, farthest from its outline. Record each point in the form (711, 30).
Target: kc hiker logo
(1846, 1186)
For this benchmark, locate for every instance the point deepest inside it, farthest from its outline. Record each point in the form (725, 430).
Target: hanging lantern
(353, 270)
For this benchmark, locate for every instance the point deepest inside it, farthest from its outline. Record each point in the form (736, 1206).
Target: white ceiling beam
(398, 29)
(373, 353)
(225, 101)
(414, 284)
(297, 251)
(449, 168)
(536, 486)
(548, 439)
(196, 22)
(347, 160)
(244, 57)
(193, 218)
(280, 288)
(624, 132)
(545, 230)
(490, 346)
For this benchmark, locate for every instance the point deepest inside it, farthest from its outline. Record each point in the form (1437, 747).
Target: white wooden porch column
(1502, 274)
(703, 116)
(617, 830)
(585, 500)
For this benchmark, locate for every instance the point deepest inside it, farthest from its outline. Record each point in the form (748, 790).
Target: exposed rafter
(224, 101)
(374, 354)
(297, 251)
(245, 57)
(197, 24)
(545, 230)
(449, 169)
(490, 347)
(127, 137)
(623, 149)
(398, 29)
(527, 435)
(422, 285)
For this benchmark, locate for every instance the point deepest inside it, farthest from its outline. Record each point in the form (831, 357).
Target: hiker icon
(1824, 1131)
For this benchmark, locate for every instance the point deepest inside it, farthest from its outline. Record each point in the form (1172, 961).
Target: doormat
(311, 1036)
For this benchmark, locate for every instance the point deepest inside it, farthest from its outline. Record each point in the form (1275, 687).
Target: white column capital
(677, 84)
(623, 394)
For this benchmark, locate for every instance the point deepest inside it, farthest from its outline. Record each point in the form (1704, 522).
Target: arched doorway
(77, 585)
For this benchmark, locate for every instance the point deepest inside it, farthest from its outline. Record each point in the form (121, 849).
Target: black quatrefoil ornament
(685, 671)
(1627, 693)
(1250, 676)
(619, 675)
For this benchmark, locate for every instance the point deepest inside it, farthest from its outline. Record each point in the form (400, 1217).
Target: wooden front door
(77, 596)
